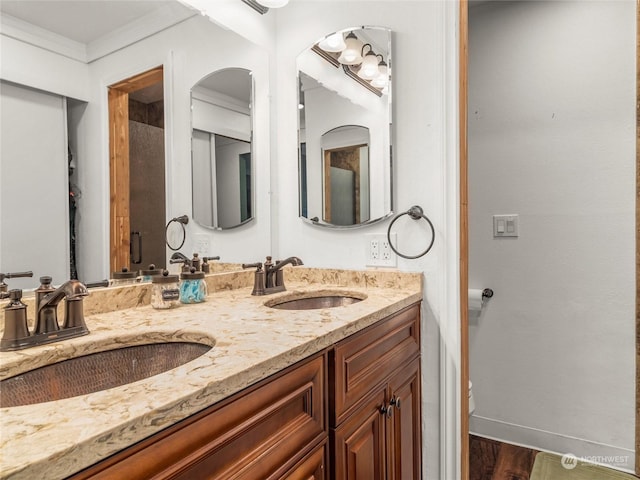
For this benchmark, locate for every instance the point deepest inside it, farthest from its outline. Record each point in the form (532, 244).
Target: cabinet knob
(395, 401)
(386, 410)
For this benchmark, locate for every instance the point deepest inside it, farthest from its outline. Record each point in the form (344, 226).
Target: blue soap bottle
(193, 288)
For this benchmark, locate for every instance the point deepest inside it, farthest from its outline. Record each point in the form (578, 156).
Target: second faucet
(271, 280)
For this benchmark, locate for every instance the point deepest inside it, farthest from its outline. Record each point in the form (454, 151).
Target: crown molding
(157, 21)
(39, 37)
(139, 29)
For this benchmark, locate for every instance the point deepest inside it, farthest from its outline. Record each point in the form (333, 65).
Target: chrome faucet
(47, 328)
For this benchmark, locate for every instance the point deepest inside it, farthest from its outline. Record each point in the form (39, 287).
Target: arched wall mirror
(221, 153)
(344, 128)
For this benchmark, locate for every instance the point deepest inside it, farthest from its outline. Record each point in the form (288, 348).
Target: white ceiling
(83, 21)
(230, 83)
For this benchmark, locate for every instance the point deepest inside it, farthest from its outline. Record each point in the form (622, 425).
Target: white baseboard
(611, 456)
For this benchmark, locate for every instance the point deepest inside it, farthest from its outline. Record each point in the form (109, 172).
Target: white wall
(552, 138)
(421, 162)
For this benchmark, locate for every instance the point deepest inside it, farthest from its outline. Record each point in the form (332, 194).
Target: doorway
(137, 172)
(574, 397)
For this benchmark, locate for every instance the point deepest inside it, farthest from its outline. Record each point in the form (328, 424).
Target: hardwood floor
(493, 460)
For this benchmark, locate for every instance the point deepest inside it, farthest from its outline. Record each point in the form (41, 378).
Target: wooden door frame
(119, 231)
(637, 237)
(463, 53)
(463, 20)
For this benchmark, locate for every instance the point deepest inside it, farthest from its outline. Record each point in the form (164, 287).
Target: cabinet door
(359, 442)
(312, 467)
(404, 437)
(364, 360)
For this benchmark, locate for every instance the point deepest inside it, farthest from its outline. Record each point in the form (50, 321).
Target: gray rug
(548, 466)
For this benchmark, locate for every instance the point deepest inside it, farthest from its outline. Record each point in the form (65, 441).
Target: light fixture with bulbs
(359, 61)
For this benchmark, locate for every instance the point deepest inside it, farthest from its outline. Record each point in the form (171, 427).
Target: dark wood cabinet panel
(360, 442)
(405, 425)
(252, 435)
(312, 467)
(358, 361)
(375, 391)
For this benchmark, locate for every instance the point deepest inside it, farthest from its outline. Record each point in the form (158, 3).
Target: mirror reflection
(221, 154)
(344, 128)
(345, 154)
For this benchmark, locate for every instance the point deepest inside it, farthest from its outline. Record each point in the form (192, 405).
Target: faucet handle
(74, 314)
(4, 286)
(15, 322)
(256, 265)
(258, 278)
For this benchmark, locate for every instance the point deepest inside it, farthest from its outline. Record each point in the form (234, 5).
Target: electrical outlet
(379, 253)
(374, 249)
(385, 250)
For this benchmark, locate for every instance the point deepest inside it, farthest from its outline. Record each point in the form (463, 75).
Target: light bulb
(380, 81)
(351, 55)
(382, 78)
(273, 3)
(333, 43)
(369, 68)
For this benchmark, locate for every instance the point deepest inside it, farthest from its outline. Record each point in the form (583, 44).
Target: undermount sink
(96, 371)
(315, 301)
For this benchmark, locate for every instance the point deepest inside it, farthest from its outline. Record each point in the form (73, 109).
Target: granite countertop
(250, 342)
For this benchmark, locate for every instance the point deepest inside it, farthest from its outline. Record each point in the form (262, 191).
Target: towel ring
(416, 213)
(182, 220)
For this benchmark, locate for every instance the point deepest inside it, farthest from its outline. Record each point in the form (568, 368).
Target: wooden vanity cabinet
(276, 429)
(374, 382)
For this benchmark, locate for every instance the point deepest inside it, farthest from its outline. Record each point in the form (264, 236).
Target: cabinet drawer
(367, 358)
(251, 435)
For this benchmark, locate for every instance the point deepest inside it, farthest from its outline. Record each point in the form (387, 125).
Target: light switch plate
(505, 225)
(202, 244)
